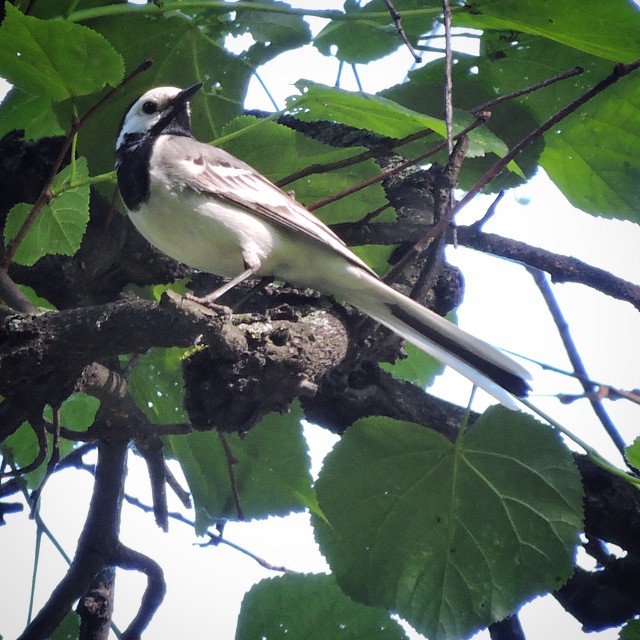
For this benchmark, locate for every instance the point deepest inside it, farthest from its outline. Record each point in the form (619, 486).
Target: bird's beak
(186, 94)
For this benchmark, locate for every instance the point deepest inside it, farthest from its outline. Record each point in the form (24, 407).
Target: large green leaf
(607, 29)
(293, 607)
(367, 39)
(510, 122)
(451, 536)
(273, 32)
(55, 59)
(271, 474)
(61, 224)
(383, 116)
(32, 114)
(592, 154)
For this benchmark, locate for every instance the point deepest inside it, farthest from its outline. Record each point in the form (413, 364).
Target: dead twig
(397, 21)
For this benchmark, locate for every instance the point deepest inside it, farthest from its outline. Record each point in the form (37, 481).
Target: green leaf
(55, 59)
(272, 473)
(383, 116)
(157, 385)
(69, 628)
(595, 160)
(268, 27)
(369, 39)
(77, 412)
(633, 453)
(61, 224)
(310, 606)
(37, 300)
(630, 631)
(607, 29)
(417, 367)
(21, 111)
(590, 155)
(451, 536)
(361, 110)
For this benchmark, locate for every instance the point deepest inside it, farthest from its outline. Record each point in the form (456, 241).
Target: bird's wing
(218, 173)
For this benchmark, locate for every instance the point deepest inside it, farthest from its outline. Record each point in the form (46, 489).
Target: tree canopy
(448, 518)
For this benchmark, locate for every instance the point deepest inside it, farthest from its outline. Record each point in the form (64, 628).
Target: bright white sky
(209, 583)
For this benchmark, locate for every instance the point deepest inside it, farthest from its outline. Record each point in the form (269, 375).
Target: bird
(206, 208)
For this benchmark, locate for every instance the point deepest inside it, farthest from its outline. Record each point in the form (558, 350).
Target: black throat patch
(132, 168)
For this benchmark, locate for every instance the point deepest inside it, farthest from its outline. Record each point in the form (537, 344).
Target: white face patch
(146, 111)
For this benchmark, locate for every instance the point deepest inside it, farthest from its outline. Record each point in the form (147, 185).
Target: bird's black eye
(150, 107)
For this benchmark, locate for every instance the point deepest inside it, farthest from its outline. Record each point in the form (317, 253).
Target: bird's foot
(209, 303)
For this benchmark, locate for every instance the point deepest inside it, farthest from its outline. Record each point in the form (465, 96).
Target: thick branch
(97, 543)
(560, 268)
(154, 593)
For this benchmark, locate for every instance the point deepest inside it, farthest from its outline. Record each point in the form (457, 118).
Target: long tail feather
(484, 365)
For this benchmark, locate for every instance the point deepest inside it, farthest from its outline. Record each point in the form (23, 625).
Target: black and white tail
(484, 365)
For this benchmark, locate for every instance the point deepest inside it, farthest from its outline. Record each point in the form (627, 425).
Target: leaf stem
(76, 184)
(225, 7)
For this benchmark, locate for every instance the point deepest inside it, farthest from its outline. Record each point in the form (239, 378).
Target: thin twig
(574, 357)
(480, 119)
(448, 79)
(214, 538)
(397, 21)
(489, 213)
(487, 106)
(45, 193)
(54, 459)
(231, 461)
(394, 144)
(360, 157)
(354, 69)
(181, 493)
(443, 190)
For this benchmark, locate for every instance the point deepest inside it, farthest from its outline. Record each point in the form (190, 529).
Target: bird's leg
(264, 281)
(210, 298)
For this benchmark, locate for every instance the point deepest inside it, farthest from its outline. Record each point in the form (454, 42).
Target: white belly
(203, 233)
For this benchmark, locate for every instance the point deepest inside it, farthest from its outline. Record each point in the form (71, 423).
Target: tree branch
(560, 268)
(575, 359)
(97, 543)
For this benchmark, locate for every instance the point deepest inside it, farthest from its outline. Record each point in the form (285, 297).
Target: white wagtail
(204, 207)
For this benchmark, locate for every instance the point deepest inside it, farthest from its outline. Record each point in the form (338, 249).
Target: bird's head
(159, 110)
